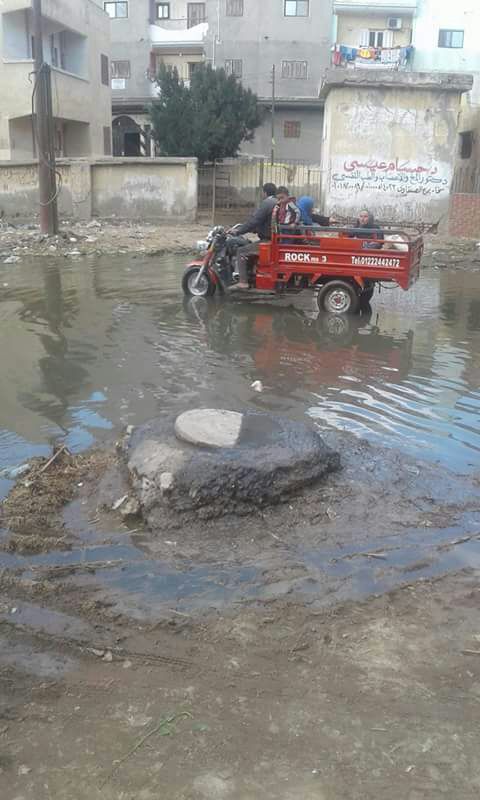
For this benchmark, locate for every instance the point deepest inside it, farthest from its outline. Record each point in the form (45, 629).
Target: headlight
(202, 246)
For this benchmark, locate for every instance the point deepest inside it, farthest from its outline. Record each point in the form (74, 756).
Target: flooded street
(298, 653)
(91, 345)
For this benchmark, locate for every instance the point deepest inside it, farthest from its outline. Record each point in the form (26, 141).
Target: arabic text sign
(396, 177)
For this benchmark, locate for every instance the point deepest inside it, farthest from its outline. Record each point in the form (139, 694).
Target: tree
(209, 119)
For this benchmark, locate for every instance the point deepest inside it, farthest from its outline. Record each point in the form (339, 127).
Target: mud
(327, 648)
(31, 511)
(99, 237)
(117, 236)
(282, 702)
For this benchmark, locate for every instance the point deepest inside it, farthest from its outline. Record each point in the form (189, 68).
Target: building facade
(373, 35)
(245, 37)
(76, 44)
(446, 38)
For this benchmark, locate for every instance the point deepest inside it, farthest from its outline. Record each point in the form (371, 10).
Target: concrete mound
(210, 462)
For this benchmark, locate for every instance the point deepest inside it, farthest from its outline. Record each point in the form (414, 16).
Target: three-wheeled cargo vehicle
(342, 269)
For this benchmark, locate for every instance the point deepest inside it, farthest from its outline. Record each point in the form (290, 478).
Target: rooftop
(375, 79)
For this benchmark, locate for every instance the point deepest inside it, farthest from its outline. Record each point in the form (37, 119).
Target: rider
(367, 228)
(286, 215)
(260, 223)
(308, 218)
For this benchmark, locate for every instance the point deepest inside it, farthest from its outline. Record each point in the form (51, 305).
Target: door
(196, 13)
(132, 144)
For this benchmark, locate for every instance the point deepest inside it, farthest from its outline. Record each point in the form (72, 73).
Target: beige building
(373, 33)
(76, 43)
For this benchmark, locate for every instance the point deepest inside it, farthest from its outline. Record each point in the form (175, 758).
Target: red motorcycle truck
(341, 269)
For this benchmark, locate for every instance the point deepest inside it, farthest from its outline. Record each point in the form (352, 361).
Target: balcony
(71, 95)
(392, 58)
(393, 7)
(185, 39)
(69, 13)
(63, 49)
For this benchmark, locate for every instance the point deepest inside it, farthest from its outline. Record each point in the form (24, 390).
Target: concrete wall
(433, 15)
(264, 36)
(131, 42)
(307, 147)
(135, 188)
(163, 188)
(390, 147)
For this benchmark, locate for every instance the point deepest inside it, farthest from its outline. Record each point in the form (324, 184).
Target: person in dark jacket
(308, 217)
(260, 223)
(366, 228)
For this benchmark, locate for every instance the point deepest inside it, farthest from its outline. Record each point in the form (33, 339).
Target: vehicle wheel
(204, 287)
(338, 297)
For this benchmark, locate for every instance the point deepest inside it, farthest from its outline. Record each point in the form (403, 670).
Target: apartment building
(245, 37)
(76, 44)
(146, 33)
(373, 35)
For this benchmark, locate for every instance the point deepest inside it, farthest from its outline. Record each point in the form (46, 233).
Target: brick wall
(464, 219)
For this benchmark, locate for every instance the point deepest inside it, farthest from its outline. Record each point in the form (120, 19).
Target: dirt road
(287, 693)
(372, 700)
(108, 237)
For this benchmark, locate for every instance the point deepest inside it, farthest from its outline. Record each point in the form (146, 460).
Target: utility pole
(43, 125)
(273, 115)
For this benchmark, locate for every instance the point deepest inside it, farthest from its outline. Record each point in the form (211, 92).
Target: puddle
(92, 345)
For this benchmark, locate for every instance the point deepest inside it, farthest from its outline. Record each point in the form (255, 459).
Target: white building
(446, 38)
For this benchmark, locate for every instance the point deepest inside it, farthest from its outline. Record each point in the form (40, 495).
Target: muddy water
(91, 345)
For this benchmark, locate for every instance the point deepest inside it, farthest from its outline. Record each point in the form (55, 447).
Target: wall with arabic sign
(390, 149)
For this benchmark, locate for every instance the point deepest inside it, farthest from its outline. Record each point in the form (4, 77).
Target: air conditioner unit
(395, 23)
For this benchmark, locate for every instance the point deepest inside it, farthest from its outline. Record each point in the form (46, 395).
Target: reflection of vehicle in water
(341, 269)
(291, 347)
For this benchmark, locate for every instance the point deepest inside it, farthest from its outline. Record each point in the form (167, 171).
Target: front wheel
(338, 297)
(193, 286)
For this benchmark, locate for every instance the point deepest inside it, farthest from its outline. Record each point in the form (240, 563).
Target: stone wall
(134, 188)
(465, 215)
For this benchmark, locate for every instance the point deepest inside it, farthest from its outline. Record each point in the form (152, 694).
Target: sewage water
(90, 345)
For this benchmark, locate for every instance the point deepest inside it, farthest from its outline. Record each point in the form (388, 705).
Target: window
(375, 38)
(234, 66)
(163, 10)
(296, 8)
(447, 38)
(234, 8)
(466, 144)
(196, 14)
(192, 66)
(295, 69)
(120, 69)
(105, 70)
(292, 130)
(117, 9)
(53, 51)
(107, 141)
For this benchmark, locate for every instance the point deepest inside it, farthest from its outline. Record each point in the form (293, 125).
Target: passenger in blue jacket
(308, 217)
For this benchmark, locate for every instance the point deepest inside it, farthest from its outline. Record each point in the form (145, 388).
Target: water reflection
(90, 345)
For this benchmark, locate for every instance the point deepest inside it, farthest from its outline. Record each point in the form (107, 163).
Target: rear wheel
(338, 297)
(195, 287)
